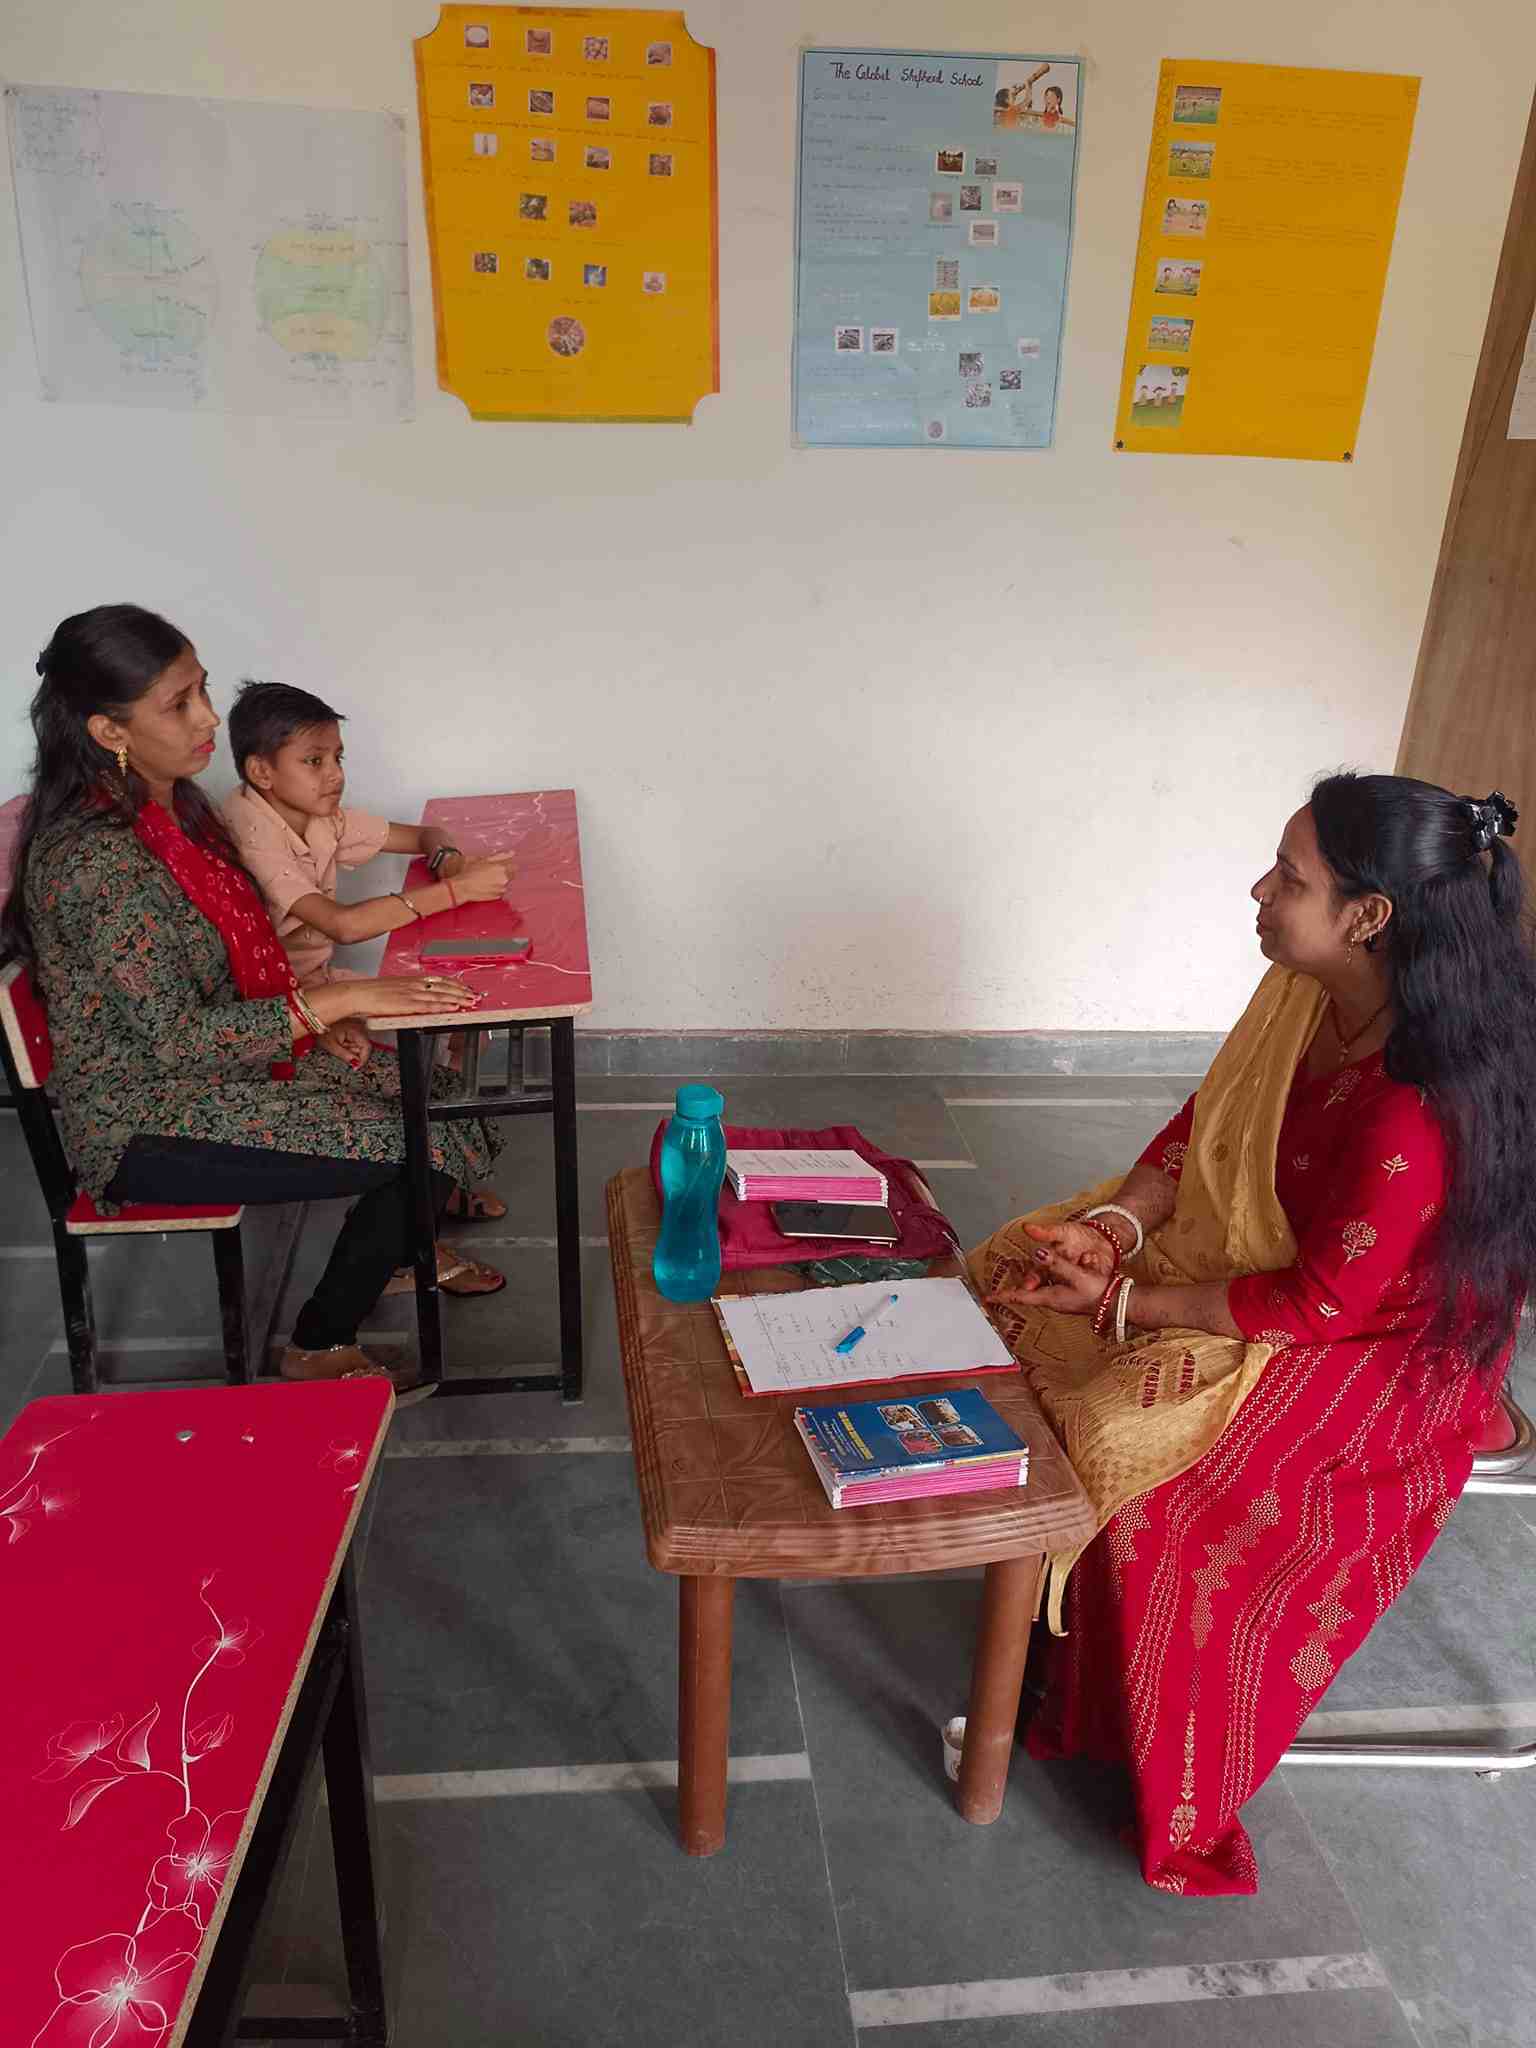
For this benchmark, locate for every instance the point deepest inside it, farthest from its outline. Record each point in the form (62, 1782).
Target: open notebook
(787, 1343)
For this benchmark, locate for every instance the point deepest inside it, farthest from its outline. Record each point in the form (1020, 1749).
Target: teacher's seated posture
(1271, 1349)
(189, 1066)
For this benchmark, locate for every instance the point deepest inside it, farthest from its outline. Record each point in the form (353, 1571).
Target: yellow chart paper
(569, 160)
(1266, 228)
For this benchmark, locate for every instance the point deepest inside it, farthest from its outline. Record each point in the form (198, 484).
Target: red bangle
(1105, 1309)
(1109, 1237)
(451, 897)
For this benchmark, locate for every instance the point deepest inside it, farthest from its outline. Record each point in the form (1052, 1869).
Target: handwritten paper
(787, 1342)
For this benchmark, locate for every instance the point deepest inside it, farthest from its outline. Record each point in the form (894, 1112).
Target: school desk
(553, 983)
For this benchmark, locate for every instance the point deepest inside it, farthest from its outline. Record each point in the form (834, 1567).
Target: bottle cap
(698, 1100)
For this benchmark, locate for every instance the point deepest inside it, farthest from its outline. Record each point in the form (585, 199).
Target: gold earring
(122, 763)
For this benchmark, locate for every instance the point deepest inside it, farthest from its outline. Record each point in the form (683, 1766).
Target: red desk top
(165, 1563)
(10, 832)
(545, 904)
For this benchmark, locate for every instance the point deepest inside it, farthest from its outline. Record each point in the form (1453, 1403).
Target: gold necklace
(1355, 1037)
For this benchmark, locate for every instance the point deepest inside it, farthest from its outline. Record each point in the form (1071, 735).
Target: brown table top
(726, 1486)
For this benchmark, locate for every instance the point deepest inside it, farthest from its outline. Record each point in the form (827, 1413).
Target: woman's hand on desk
(417, 995)
(482, 879)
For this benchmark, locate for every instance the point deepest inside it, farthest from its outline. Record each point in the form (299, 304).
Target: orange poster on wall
(569, 161)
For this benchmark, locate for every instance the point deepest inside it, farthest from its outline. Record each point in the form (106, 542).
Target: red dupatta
(230, 901)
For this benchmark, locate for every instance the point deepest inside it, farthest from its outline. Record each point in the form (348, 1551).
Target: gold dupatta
(1134, 1415)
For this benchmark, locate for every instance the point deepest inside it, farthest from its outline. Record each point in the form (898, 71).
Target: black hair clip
(1494, 818)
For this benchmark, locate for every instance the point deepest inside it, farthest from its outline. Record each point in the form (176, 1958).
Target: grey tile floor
(521, 1661)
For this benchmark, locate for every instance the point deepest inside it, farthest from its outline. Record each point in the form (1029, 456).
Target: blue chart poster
(935, 224)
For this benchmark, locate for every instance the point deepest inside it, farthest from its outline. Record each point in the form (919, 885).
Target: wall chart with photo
(569, 162)
(1266, 228)
(933, 236)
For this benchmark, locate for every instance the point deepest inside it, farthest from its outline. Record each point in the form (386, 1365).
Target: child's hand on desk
(482, 879)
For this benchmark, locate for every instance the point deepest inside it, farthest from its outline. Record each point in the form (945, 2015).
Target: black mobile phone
(866, 1220)
(474, 949)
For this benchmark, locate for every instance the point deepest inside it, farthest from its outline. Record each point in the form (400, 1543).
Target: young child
(287, 821)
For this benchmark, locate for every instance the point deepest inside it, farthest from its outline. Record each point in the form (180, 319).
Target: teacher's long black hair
(103, 660)
(1462, 973)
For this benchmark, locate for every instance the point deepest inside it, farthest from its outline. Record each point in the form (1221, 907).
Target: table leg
(704, 1613)
(414, 1050)
(349, 1796)
(562, 1062)
(997, 1678)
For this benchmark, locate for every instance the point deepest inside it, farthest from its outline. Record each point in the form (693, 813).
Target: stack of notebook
(864, 1451)
(770, 1176)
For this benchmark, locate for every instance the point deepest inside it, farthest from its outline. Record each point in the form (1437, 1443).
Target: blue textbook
(878, 1439)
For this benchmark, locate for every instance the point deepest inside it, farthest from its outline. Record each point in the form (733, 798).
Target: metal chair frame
(1510, 1471)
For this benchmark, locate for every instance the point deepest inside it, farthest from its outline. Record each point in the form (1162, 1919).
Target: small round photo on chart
(970, 362)
(977, 396)
(541, 149)
(657, 54)
(660, 165)
(599, 160)
(541, 102)
(659, 114)
(533, 206)
(476, 36)
(653, 283)
(539, 42)
(848, 341)
(536, 269)
(599, 109)
(884, 341)
(594, 273)
(482, 95)
(1010, 380)
(594, 49)
(567, 337)
(934, 430)
(486, 263)
(582, 213)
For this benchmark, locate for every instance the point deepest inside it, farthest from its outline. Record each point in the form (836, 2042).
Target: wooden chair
(1505, 1463)
(27, 1053)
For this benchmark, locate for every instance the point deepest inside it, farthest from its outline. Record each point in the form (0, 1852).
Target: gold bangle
(410, 906)
(306, 1014)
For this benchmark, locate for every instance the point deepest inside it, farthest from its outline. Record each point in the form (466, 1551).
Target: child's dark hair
(265, 716)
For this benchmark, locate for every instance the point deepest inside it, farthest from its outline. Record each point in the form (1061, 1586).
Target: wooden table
(727, 1493)
(553, 984)
(181, 1637)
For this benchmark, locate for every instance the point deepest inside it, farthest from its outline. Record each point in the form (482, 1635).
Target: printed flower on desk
(23, 1500)
(78, 1744)
(230, 1643)
(342, 1458)
(122, 1988)
(190, 1879)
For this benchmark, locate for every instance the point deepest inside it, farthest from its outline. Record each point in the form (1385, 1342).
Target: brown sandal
(351, 1362)
(455, 1275)
(475, 1205)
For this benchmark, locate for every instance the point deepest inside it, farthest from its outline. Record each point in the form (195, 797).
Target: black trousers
(374, 1239)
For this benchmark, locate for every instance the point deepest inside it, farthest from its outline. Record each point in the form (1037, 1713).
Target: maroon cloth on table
(749, 1237)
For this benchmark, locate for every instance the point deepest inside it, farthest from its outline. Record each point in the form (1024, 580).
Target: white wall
(1026, 725)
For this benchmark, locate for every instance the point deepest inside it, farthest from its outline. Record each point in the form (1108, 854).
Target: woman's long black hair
(97, 661)
(1462, 978)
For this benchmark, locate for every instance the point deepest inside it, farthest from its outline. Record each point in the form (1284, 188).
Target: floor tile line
(1097, 1990)
(541, 1780)
(26, 1251)
(542, 1244)
(947, 1165)
(601, 1108)
(504, 1446)
(821, 1832)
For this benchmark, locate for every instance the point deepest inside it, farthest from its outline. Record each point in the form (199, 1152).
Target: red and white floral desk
(172, 1566)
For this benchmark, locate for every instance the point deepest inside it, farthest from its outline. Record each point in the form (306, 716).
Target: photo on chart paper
(1157, 399)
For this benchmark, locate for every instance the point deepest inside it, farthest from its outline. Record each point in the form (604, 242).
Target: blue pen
(860, 1330)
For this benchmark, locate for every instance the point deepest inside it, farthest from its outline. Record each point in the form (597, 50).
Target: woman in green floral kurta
(164, 1069)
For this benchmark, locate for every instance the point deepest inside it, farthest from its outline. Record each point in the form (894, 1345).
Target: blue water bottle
(687, 1262)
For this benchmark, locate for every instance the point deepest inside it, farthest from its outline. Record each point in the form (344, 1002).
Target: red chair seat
(84, 1219)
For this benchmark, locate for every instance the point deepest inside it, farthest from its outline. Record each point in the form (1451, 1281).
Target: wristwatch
(436, 858)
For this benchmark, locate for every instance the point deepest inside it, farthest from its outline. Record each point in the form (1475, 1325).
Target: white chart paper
(787, 1342)
(216, 255)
